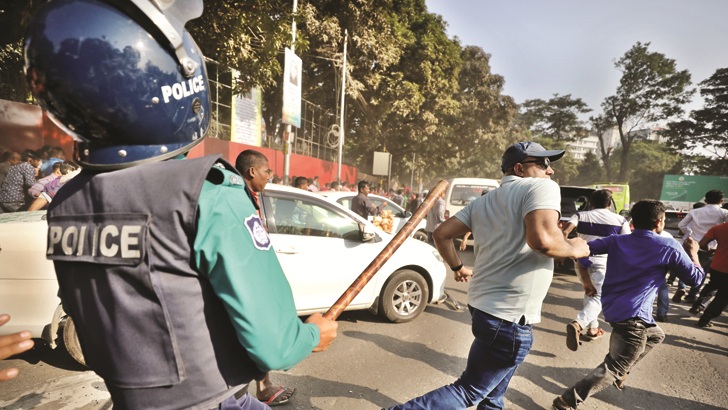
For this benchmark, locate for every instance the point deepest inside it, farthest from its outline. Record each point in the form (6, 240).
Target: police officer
(158, 260)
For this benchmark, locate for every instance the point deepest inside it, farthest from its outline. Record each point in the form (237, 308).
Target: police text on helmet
(183, 89)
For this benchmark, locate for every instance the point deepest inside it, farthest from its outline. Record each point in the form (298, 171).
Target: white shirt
(598, 223)
(697, 222)
(510, 280)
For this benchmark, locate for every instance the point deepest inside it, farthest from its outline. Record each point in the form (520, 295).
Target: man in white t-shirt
(590, 225)
(516, 235)
(696, 224)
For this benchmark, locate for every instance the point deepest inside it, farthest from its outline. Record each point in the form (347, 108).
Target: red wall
(300, 165)
(25, 126)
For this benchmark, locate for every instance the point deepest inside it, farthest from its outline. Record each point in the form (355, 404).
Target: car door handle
(289, 250)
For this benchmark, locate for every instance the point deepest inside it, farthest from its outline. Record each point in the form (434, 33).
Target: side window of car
(297, 217)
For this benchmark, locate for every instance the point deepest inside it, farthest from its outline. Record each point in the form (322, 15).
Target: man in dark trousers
(163, 263)
(636, 267)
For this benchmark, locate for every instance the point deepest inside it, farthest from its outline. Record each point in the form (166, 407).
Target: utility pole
(289, 128)
(341, 119)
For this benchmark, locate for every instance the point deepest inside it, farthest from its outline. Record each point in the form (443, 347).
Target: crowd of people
(30, 179)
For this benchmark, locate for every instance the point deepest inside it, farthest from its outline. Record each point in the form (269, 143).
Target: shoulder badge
(236, 179)
(258, 234)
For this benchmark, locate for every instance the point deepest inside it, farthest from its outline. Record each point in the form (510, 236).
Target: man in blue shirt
(636, 267)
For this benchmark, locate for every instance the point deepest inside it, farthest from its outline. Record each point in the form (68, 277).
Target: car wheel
(70, 341)
(420, 236)
(404, 296)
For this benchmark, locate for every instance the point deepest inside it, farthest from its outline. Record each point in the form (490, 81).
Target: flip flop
(600, 333)
(572, 336)
(282, 396)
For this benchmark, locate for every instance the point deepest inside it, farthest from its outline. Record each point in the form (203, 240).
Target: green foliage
(12, 80)
(589, 172)
(655, 160)
(557, 118)
(651, 89)
(707, 128)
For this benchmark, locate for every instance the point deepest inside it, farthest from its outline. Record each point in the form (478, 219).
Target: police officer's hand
(581, 249)
(11, 345)
(327, 330)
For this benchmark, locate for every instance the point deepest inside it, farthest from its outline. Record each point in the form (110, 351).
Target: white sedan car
(401, 216)
(322, 246)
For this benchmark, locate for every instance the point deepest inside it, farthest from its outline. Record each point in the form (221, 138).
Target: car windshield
(462, 194)
(573, 200)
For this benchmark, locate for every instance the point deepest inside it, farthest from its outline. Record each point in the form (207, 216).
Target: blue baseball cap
(522, 150)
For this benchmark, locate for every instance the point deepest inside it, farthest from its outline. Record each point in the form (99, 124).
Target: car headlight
(437, 256)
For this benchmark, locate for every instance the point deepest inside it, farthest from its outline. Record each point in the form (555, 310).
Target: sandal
(572, 336)
(282, 396)
(600, 333)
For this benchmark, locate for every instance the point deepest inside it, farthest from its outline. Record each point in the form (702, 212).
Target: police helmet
(122, 77)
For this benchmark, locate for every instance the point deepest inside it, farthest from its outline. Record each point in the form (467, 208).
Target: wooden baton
(371, 270)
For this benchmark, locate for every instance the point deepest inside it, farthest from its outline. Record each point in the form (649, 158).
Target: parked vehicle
(463, 190)
(620, 195)
(401, 216)
(322, 246)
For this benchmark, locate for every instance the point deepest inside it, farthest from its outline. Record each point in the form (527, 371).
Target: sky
(544, 47)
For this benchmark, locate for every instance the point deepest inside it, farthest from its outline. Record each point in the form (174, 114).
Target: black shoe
(704, 324)
(677, 298)
(690, 298)
(661, 318)
(696, 310)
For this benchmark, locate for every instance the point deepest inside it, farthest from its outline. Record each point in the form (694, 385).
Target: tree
(589, 171)
(655, 160)
(14, 17)
(600, 126)
(478, 129)
(557, 118)
(707, 128)
(650, 89)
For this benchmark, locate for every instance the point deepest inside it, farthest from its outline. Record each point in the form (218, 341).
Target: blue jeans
(663, 300)
(631, 340)
(705, 260)
(499, 347)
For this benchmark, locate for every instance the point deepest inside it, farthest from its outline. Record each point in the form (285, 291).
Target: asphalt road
(374, 364)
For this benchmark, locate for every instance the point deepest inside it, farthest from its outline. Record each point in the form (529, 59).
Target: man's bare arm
(567, 229)
(544, 236)
(443, 237)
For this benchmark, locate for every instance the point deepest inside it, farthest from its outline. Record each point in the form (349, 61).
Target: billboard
(691, 188)
(292, 89)
(247, 118)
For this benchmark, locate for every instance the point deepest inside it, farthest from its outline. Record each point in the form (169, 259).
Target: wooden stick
(371, 270)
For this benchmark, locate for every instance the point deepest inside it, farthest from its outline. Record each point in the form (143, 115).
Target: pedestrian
(20, 177)
(397, 197)
(163, 263)
(695, 224)
(718, 276)
(516, 234)
(435, 216)
(596, 223)
(255, 169)
(362, 205)
(301, 183)
(636, 267)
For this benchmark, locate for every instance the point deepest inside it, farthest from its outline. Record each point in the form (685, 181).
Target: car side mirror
(624, 213)
(407, 214)
(366, 232)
